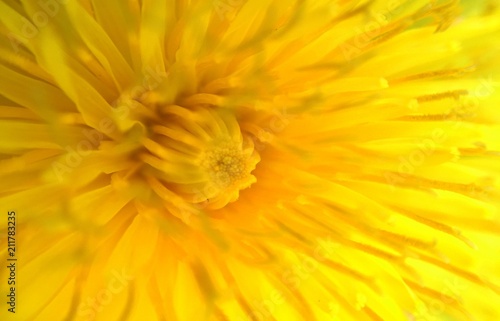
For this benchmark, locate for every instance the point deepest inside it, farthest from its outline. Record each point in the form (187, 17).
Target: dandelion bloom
(250, 160)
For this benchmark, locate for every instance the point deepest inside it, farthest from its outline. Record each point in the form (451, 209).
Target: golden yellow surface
(243, 160)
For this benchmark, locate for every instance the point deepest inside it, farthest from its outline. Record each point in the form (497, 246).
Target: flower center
(199, 154)
(225, 164)
(229, 165)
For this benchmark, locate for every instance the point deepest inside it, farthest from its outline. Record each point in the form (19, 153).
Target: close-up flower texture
(250, 160)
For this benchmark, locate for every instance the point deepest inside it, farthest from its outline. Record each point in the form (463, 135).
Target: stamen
(438, 226)
(460, 272)
(455, 94)
(435, 74)
(429, 117)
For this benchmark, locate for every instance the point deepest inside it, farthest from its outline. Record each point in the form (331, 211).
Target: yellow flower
(249, 160)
